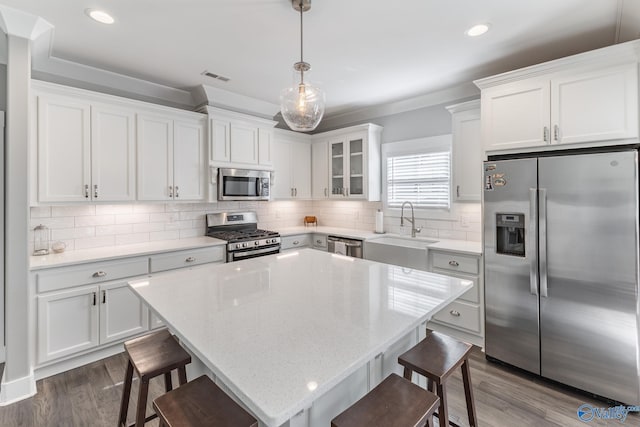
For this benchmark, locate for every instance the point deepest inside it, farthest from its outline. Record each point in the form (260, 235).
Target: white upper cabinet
(467, 151)
(171, 156)
(291, 165)
(591, 98)
(320, 170)
(239, 140)
(354, 162)
(113, 161)
(64, 149)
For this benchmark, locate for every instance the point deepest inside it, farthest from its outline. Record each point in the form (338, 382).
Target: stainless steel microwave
(243, 184)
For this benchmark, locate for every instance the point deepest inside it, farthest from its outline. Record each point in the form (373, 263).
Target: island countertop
(280, 331)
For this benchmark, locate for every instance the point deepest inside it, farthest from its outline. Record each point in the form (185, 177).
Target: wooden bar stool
(395, 402)
(200, 403)
(151, 355)
(437, 357)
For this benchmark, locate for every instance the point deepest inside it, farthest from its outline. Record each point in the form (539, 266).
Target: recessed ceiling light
(100, 16)
(477, 30)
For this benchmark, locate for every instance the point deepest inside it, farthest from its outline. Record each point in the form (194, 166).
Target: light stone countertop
(462, 246)
(282, 330)
(116, 252)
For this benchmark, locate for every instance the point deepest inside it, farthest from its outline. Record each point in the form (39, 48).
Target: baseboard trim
(16, 390)
(60, 366)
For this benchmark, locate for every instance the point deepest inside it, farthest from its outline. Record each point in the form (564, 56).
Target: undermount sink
(399, 241)
(405, 252)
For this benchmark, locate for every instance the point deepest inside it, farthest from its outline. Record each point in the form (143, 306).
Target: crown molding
(215, 97)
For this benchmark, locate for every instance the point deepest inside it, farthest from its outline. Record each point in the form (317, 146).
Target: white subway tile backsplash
(89, 226)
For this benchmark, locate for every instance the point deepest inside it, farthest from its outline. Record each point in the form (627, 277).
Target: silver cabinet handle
(556, 132)
(530, 250)
(171, 191)
(545, 134)
(104, 297)
(455, 313)
(453, 263)
(295, 242)
(95, 191)
(177, 193)
(542, 241)
(319, 241)
(190, 259)
(86, 191)
(100, 273)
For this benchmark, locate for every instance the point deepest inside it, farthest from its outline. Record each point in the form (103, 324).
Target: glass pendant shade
(302, 106)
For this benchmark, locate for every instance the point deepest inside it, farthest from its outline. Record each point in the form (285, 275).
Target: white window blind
(422, 178)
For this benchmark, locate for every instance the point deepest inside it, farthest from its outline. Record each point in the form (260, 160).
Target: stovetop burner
(233, 236)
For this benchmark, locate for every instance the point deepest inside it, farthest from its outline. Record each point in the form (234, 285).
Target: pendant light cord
(301, 43)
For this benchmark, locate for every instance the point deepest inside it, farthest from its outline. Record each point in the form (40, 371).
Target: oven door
(252, 253)
(242, 184)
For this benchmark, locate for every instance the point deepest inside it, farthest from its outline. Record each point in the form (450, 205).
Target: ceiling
(363, 52)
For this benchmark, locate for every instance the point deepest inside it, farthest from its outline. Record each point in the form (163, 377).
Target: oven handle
(242, 254)
(259, 187)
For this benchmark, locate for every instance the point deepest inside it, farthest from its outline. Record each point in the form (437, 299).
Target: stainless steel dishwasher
(341, 245)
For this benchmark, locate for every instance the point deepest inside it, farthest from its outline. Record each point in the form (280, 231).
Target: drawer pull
(319, 241)
(99, 274)
(190, 259)
(453, 263)
(295, 242)
(455, 313)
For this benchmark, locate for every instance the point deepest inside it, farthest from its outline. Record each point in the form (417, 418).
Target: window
(418, 171)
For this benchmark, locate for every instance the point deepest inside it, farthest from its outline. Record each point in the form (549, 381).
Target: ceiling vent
(215, 76)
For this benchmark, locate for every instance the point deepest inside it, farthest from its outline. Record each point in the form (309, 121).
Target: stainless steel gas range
(244, 239)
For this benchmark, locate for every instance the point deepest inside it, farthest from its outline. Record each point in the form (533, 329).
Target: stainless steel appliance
(244, 239)
(341, 245)
(561, 268)
(243, 184)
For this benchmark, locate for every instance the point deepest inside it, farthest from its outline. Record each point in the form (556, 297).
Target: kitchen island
(298, 337)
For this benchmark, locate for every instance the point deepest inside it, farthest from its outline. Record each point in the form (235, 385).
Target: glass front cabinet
(348, 166)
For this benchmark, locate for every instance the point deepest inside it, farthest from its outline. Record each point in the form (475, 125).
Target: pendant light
(302, 105)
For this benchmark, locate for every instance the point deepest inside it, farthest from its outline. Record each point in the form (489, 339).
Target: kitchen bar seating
(436, 357)
(200, 403)
(395, 402)
(151, 355)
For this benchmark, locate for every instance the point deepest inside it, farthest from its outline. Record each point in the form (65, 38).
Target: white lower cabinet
(462, 318)
(295, 242)
(122, 313)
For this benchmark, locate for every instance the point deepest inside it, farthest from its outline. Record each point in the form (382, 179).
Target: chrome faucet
(414, 229)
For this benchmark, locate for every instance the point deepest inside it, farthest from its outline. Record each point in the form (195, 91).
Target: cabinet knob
(100, 274)
(453, 263)
(455, 313)
(190, 259)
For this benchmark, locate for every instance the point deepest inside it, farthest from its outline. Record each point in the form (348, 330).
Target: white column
(17, 380)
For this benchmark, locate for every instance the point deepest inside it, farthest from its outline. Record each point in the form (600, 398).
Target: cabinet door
(337, 168)
(67, 322)
(320, 170)
(64, 149)
(244, 144)
(265, 140)
(595, 106)
(356, 166)
(122, 313)
(112, 154)
(155, 158)
(301, 170)
(189, 163)
(220, 131)
(516, 116)
(467, 156)
(281, 187)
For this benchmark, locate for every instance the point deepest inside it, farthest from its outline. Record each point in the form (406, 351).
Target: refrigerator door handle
(543, 242)
(531, 240)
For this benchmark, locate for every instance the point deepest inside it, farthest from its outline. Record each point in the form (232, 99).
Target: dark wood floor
(90, 396)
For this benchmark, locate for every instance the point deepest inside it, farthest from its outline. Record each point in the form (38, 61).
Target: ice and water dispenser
(510, 234)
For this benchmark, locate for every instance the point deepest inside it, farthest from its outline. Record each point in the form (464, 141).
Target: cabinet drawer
(460, 315)
(319, 241)
(473, 294)
(186, 258)
(66, 277)
(297, 241)
(455, 262)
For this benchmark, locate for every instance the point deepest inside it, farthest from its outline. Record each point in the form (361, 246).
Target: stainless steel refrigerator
(561, 269)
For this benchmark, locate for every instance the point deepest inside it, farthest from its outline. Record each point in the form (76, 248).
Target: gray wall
(3, 87)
